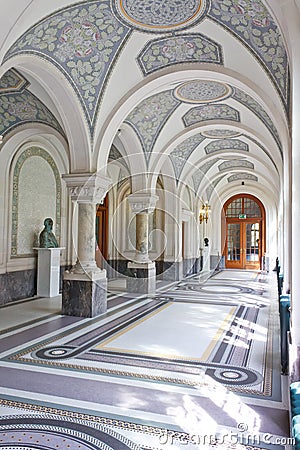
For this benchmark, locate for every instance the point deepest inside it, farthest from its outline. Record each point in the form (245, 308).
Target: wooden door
(244, 235)
(252, 248)
(243, 249)
(234, 245)
(102, 232)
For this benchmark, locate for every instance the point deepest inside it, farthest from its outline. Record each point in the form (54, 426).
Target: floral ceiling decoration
(242, 176)
(149, 117)
(153, 16)
(202, 91)
(18, 106)
(200, 173)
(226, 144)
(186, 48)
(183, 151)
(234, 164)
(82, 41)
(85, 41)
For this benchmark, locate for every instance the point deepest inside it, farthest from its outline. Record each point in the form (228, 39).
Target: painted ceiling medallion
(220, 134)
(153, 15)
(202, 91)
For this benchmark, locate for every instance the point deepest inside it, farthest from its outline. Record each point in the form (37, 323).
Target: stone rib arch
(134, 157)
(56, 87)
(155, 83)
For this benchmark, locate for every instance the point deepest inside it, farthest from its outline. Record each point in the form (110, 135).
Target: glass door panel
(233, 254)
(252, 244)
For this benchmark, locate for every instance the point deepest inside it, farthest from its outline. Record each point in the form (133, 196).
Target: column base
(143, 280)
(84, 295)
(173, 270)
(198, 265)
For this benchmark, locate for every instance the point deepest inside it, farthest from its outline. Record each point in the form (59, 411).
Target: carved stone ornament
(142, 203)
(87, 188)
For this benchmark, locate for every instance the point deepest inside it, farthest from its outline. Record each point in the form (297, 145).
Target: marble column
(86, 237)
(85, 285)
(142, 236)
(143, 279)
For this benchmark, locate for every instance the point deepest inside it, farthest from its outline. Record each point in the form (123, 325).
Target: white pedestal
(48, 273)
(206, 259)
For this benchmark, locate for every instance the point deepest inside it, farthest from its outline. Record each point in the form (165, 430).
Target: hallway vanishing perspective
(194, 364)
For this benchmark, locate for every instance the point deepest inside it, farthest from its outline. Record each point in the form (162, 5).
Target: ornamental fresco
(183, 151)
(85, 40)
(255, 107)
(150, 15)
(210, 112)
(185, 48)
(12, 81)
(82, 41)
(252, 23)
(242, 176)
(200, 173)
(212, 187)
(226, 144)
(149, 117)
(202, 91)
(220, 133)
(19, 106)
(115, 155)
(237, 163)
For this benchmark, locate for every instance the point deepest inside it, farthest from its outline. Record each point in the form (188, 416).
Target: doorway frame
(101, 232)
(262, 236)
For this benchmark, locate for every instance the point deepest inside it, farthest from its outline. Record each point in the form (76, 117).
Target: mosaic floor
(197, 366)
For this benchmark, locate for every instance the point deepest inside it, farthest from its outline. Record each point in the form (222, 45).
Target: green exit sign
(242, 216)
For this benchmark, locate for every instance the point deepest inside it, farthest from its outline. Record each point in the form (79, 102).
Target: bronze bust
(47, 238)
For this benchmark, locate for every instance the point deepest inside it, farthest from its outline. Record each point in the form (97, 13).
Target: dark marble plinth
(143, 279)
(217, 262)
(84, 298)
(172, 271)
(188, 266)
(17, 285)
(198, 264)
(115, 268)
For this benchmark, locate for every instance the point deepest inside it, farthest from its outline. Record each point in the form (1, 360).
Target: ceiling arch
(177, 80)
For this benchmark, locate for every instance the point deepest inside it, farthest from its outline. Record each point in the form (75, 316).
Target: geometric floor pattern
(197, 366)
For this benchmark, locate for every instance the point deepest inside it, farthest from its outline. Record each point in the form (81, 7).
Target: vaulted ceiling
(196, 90)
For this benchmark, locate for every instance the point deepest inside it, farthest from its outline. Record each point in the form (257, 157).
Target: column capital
(142, 203)
(87, 187)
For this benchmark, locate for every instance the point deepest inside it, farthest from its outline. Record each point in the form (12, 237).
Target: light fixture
(204, 212)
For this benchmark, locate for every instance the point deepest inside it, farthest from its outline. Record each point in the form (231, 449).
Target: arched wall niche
(33, 198)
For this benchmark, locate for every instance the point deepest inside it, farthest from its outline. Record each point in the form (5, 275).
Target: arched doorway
(244, 232)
